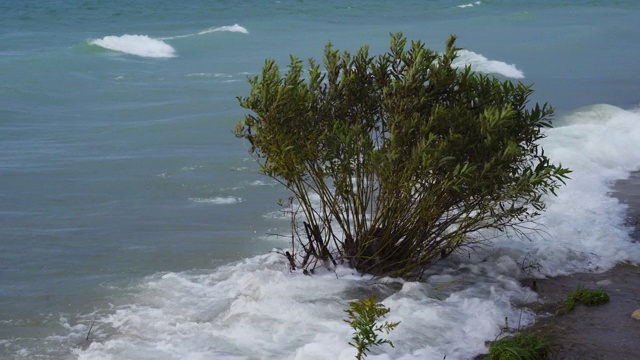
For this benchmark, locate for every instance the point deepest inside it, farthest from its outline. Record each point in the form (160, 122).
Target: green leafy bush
(407, 156)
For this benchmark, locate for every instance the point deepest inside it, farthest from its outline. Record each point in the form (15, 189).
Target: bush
(406, 157)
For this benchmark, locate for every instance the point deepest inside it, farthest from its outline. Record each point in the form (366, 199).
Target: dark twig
(89, 332)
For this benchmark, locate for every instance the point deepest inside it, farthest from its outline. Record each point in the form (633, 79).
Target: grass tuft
(585, 296)
(520, 347)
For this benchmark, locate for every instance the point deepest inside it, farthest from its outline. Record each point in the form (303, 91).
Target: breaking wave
(233, 28)
(138, 45)
(145, 46)
(480, 63)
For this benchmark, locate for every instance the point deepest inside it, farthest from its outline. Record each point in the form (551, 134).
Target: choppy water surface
(126, 202)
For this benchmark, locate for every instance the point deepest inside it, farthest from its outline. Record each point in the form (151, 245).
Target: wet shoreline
(599, 332)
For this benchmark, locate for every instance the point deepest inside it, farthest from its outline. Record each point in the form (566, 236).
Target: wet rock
(636, 315)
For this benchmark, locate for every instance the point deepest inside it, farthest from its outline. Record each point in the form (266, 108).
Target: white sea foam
(258, 309)
(139, 45)
(218, 200)
(593, 114)
(480, 63)
(584, 225)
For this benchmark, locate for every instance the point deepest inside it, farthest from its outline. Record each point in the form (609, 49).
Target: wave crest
(219, 200)
(138, 45)
(233, 28)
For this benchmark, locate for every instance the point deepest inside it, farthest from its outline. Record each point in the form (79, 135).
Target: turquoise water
(124, 193)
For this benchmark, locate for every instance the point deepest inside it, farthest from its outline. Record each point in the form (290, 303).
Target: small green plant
(520, 347)
(585, 296)
(363, 318)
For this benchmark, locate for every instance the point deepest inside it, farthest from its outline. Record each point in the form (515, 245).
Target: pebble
(636, 315)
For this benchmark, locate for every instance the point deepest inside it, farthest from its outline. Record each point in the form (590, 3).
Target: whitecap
(481, 64)
(468, 5)
(262, 183)
(139, 45)
(210, 75)
(233, 28)
(230, 28)
(192, 167)
(219, 200)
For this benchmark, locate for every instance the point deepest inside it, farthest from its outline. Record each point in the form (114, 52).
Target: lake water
(129, 212)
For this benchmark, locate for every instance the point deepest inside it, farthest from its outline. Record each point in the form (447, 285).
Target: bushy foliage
(399, 159)
(363, 317)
